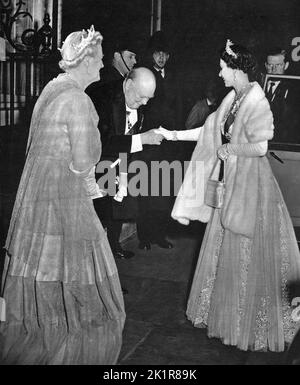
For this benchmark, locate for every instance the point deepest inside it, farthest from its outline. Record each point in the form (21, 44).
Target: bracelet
(227, 153)
(174, 135)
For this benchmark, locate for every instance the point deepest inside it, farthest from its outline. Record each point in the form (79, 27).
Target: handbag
(215, 190)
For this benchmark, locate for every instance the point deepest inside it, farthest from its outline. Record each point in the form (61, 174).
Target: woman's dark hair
(243, 61)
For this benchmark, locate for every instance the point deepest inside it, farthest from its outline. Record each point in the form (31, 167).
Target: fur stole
(253, 123)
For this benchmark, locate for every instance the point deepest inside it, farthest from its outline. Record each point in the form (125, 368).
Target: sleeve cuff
(136, 144)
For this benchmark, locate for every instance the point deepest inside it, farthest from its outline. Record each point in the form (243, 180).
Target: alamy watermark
(295, 54)
(160, 178)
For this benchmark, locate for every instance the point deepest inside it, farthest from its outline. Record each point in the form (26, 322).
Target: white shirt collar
(162, 71)
(128, 109)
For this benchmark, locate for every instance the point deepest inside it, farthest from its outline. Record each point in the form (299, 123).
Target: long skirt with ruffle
(240, 290)
(60, 284)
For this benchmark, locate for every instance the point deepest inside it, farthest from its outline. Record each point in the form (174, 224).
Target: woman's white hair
(78, 45)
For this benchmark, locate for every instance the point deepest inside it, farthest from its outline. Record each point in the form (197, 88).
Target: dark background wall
(196, 30)
(113, 18)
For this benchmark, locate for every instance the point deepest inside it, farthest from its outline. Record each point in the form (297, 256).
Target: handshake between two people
(151, 137)
(156, 136)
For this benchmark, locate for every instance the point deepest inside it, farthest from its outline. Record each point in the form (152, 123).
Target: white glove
(92, 188)
(123, 184)
(183, 221)
(167, 134)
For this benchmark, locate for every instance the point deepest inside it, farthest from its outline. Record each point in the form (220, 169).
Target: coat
(162, 110)
(253, 123)
(114, 142)
(285, 108)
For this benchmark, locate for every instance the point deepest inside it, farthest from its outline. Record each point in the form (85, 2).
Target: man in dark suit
(281, 96)
(121, 60)
(120, 126)
(163, 110)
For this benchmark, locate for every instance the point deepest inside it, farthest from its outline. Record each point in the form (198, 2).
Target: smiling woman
(62, 290)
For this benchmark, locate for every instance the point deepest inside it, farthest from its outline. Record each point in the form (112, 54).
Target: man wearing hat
(162, 110)
(123, 59)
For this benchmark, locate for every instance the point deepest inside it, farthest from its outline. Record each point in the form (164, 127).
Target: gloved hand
(167, 134)
(92, 188)
(122, 190)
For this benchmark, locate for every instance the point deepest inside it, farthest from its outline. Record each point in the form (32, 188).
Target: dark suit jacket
(112, 124)
(198, 114)
(285, 112)
(109, 101)
(162, 110)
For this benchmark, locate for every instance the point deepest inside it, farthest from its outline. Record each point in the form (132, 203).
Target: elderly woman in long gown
(249, 253)
(61, 286)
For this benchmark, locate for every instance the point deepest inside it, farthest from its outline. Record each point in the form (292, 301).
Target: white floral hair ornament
(229, 43)
(83, 43)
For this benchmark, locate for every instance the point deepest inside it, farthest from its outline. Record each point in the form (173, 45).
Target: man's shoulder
(109, 74)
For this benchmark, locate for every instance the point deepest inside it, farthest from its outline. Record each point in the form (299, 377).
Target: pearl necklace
(233, 109)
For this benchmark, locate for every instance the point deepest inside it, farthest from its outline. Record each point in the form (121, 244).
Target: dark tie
(131, 128)
(270, 91)
(160, 72)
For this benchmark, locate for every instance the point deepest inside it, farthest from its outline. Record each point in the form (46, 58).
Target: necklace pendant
(228, 136)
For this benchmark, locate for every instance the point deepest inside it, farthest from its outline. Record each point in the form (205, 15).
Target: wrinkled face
(227, 74)
(160, 59)
(95, 64)
(129, 58)
(137, 94)
(276, 65)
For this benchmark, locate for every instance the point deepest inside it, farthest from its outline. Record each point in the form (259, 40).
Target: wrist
(142, 137)
(224, 152)
(82, 173)
(174, 135)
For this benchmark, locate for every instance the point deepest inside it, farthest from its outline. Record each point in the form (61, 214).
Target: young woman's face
(227, 74)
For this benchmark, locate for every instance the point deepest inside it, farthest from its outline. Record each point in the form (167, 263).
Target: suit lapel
(119, 114)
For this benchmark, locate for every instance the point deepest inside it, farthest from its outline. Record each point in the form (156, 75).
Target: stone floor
(156, 330)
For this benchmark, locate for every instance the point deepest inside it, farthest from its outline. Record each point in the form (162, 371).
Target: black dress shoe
(164, 244)
(124, 291)
(123, 254)
(144, 245)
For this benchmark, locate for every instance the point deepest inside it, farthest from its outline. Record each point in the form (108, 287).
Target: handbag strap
(214, 167)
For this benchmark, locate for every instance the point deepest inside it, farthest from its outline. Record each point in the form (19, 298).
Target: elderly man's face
(160, 59)
(276, 65)
(137, 94)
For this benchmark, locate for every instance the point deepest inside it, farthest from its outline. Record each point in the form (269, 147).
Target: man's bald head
(139, 87)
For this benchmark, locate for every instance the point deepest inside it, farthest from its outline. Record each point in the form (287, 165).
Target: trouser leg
(114, 228)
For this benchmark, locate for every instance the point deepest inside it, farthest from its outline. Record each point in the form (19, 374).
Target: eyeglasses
(275, 66)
